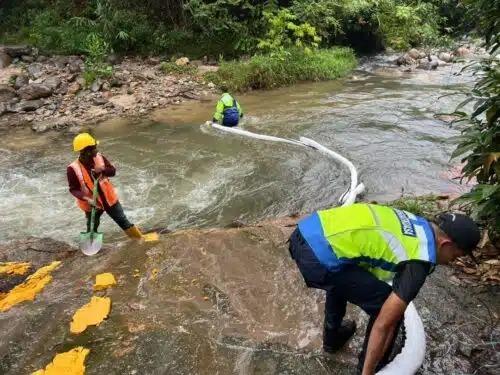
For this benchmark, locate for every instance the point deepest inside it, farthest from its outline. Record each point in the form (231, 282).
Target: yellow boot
(134, 232)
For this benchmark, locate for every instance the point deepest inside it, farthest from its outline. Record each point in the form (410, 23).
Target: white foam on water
(207, 187)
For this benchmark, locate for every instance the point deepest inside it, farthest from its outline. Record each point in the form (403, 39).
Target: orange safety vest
(87, 185)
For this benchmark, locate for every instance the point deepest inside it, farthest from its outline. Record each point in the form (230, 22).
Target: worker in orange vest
(81, 175)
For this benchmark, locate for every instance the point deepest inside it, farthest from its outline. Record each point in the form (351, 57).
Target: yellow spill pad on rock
(91, 314)
(27, 291)
(151, 237)
(69, 363)
(104, 281)
(14, 268)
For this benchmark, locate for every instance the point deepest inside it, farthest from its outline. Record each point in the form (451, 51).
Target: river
(172, 173)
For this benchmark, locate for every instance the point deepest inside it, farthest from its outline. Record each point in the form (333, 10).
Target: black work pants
(352, 284)
(115, 212)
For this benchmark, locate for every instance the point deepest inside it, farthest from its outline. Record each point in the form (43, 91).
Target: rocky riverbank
(51, 93)
(432, 59)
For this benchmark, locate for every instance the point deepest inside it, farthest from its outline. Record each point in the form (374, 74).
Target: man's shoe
(134, 232)
(335, 339)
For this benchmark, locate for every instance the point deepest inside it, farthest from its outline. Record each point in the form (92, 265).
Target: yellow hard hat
(83, 140)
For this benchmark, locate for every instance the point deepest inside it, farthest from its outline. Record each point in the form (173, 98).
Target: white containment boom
(412, 355)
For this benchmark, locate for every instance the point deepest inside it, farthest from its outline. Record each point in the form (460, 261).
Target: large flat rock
(222, 301)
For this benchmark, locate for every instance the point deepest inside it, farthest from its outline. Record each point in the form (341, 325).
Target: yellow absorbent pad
(151, 237)
(68, 363)
(91, 314)
(27, 291)
(104, 281)
(14, 268)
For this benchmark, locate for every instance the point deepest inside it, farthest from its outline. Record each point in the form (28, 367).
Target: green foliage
(12, 79)
(173, 68)
(425, 206)
(49, 34)
(333, 18)
(95, 66)
(283, 33)
(480, 141)
(228, 27)
(406, 25)
(269, 71)
(234, 23)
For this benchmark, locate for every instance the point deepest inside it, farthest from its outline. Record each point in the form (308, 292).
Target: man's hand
(90, 201)
(382, 332)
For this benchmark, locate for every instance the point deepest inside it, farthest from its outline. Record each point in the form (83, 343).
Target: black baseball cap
(461, 229)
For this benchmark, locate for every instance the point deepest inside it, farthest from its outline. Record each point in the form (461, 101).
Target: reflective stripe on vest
(87, 185)
(376, 237)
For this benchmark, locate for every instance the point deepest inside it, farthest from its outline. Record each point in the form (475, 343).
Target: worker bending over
(350, 252)
(228, 111)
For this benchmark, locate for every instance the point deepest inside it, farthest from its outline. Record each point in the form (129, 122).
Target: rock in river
(34, 91)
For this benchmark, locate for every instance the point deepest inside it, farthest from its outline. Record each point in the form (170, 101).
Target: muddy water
(172, 173)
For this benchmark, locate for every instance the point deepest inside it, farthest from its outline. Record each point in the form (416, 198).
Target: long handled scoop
(91, 242)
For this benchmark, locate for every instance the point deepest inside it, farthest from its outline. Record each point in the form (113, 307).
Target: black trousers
(353, 284)
(115, 212)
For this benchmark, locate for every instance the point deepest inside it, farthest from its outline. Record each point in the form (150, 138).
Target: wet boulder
(428, 65)
(114, 59)
(414, 53)
(5, 60)
(73, 88)
(17, 51)
(28, 105)
(183, 61)
(27, 58)
(99, 101)
(60, 62)
(4, 108)
(462, 51)
(34, 91)
(75, 64)
(405, 60)
(21, 80)
(52, 82)
(35, 70)
(6, 93)
(96, 85)
(445, 56)
(196, 63)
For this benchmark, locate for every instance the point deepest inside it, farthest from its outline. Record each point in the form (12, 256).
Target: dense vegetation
(224, 27)
(480, 142)
(271, 70)
(288, 40)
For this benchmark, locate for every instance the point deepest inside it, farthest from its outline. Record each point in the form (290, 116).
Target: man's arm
(406, 285)
(109, 170)
(219, 112)
(240, 110)
(383, 331)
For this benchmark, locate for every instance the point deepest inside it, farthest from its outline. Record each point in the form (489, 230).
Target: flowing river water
(173, 173)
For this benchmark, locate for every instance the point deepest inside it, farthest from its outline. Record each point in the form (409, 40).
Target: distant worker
(228, 111)
(351, 251)
(81, 173)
